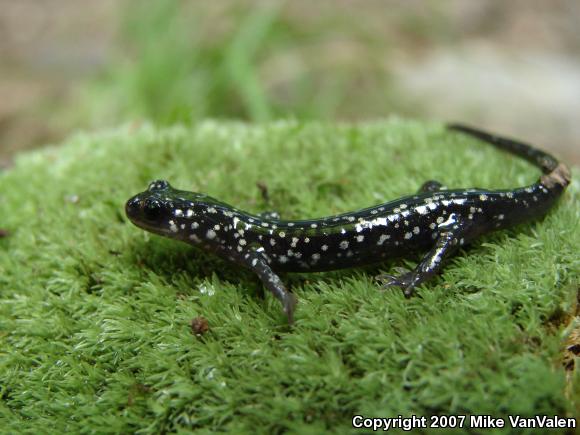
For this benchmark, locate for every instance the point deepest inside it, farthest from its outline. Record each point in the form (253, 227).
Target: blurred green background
(508, 66)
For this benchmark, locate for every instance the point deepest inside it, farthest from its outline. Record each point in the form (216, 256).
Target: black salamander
(434, 220)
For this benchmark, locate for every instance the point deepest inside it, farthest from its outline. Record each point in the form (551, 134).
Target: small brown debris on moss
(199, 325)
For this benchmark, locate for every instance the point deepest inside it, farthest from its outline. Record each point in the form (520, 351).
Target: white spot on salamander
(383, 238)
(210, 234)
(344, 244)
(421, 209)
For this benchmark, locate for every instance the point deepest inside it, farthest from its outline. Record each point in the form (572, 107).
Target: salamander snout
(132, 205)
(145, 211)
(148, 208)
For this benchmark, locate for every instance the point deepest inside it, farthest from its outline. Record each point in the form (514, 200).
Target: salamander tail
(556, 174)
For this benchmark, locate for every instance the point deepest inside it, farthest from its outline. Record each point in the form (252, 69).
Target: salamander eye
(152, 209)
(158, 185)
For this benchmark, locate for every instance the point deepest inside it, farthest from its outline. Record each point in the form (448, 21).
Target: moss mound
(95, 314)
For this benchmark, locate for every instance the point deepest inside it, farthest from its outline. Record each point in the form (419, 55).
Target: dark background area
(512, 67)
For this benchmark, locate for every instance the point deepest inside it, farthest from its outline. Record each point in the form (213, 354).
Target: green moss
(94, 313)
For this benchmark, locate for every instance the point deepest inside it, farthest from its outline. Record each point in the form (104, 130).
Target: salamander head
(178, 214)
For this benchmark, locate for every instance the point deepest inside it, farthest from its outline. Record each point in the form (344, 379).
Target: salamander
(434, 220)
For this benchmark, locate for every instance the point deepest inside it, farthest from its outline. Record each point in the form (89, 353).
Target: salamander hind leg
(258, 264)
(447, 242)
(430, 186)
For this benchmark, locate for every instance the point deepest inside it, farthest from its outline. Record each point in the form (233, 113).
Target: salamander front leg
(257, 263)
(430, 186)
(429, 265)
